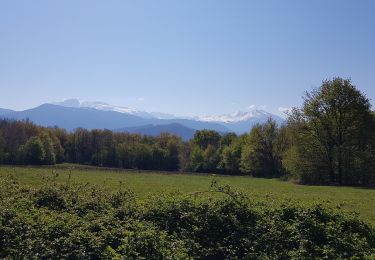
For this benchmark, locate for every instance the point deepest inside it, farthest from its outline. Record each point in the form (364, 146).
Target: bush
(85, 221)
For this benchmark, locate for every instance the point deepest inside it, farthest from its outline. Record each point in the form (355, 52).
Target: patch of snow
(100, 106)
(237, 116)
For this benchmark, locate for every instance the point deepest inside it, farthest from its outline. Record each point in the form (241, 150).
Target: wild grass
(271, 191)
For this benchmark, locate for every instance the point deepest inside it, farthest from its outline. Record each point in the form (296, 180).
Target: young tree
(196, 159)
(260, 155)
(80, 146)
(231, 157)
(210, 159)
(49, 152)
(33, 151)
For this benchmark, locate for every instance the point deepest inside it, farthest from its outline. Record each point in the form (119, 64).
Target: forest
(330, 139)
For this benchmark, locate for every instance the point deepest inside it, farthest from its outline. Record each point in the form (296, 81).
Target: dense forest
(329, 140)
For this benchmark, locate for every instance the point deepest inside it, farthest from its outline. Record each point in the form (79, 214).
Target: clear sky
(183, 57)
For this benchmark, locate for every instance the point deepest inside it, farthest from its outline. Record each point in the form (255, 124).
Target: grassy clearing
(144, 184)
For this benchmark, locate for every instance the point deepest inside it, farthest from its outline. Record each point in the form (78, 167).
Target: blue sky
(182, 57)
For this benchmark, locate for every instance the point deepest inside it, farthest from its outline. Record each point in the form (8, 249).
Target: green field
(143, 184)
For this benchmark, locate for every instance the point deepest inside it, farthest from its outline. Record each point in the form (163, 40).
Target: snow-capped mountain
(237, 116)
(107, 107)
(73, 102)
(238, 122)
(241, 121)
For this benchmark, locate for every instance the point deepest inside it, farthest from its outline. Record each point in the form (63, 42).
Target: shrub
(84, 221)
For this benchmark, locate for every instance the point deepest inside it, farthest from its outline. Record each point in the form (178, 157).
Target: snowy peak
(102, 106)
(238, 116)
(73, 102)
(68, 103)
(107, 107)
(238, 122)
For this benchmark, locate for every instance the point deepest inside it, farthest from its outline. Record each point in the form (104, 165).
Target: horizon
(187, 59)
(202, 117)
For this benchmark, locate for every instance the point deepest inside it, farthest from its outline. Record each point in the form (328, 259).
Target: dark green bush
(84, 221)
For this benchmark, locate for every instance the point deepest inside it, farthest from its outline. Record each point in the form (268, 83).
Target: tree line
(330, 139)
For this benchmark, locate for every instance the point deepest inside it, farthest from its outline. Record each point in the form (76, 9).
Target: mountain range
(72, 113)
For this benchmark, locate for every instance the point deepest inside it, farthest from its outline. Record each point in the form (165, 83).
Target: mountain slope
(239, 122)
(90, 118)
(242, 121)
(4, 112)
(73, 102)
(70, 118)
(72, 114)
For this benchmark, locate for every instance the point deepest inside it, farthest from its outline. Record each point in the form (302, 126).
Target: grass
(350, 199)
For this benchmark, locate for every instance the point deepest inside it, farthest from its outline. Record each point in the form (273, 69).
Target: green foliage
(142, 240)
(143, 156)
(33, 151)
(196, 159)
(261, 155)
(333, 136)
(210, 159)
(49, 151)
(230, 157)
(204, 138)
(85, 221)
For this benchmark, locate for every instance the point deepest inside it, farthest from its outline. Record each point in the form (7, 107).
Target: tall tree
(230, 158)
(49, 152)
(335, 123)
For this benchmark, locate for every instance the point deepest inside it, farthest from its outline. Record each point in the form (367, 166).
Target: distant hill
(246, 125)
(73, 113)
(71, 118)
(180, 130)
(242, 121)
(239, 122)
(90, 118)
(5, 111)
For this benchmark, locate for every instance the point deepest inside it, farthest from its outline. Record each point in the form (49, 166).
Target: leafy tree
(261, 155)
(228, 139)
(60, 139)
(159, 158)
(204, 138)
(49, 153)
(230, 158)
(185, 157)
(210, 159)
(80, 146)
(33, 151)
(126, 155)
(143, 156)
(196, 159)
(59, 151)
(333, 134)
(173, 154)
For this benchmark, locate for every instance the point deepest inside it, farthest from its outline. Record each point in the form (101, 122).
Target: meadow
(360, 201)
